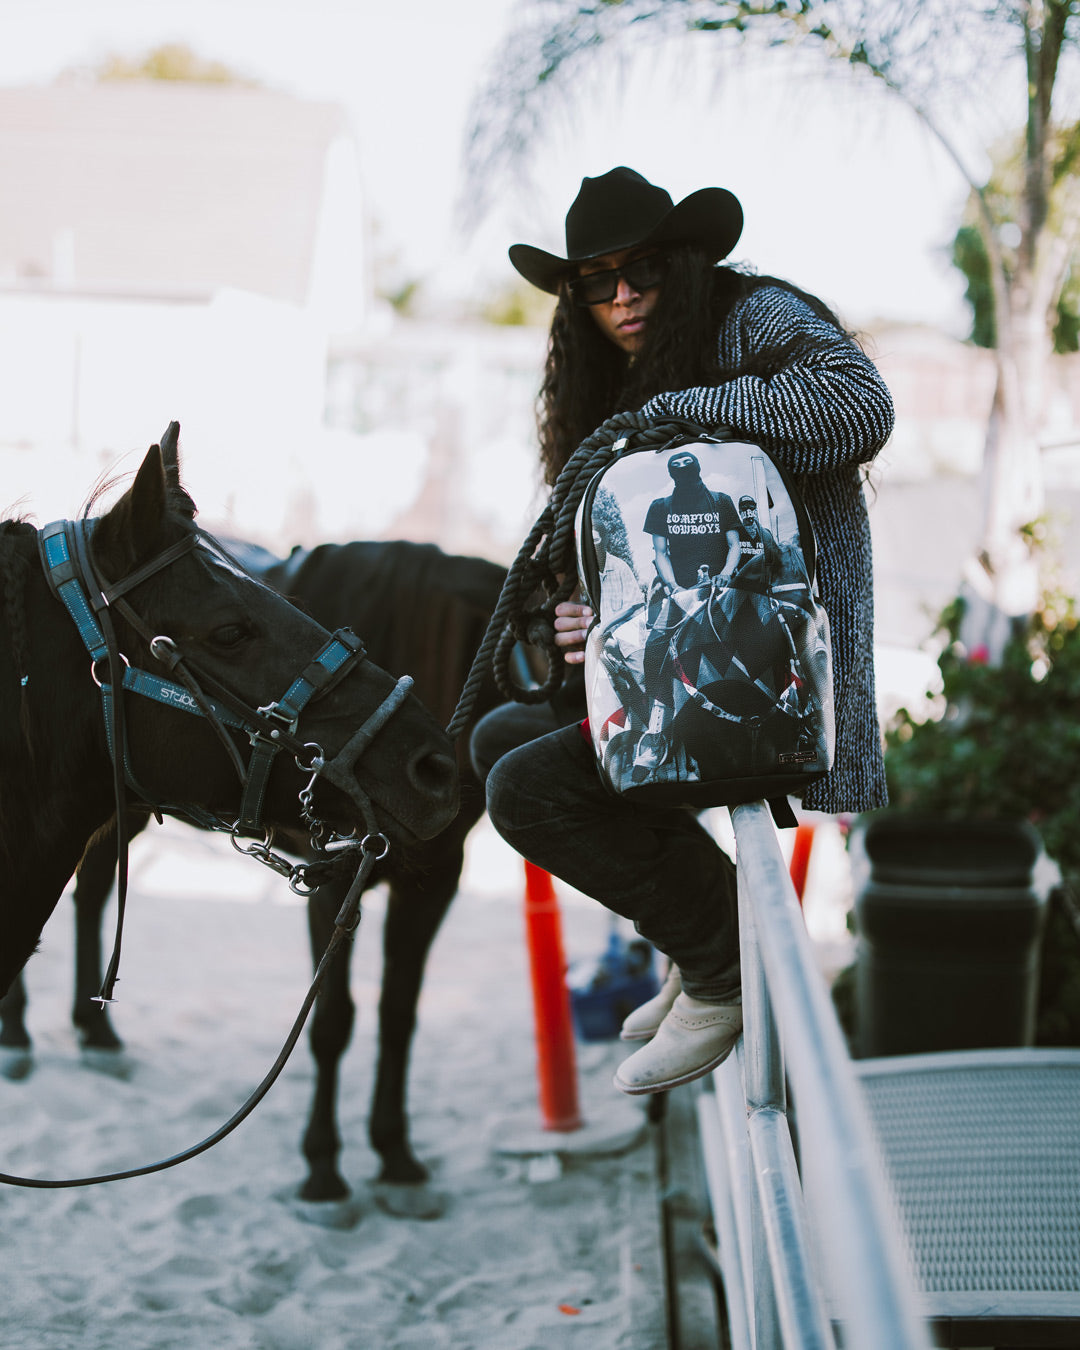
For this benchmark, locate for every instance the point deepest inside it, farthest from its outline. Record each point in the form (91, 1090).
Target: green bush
(1008, 744)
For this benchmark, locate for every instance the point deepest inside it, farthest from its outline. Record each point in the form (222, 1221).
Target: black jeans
(657, 867)
(508, 726)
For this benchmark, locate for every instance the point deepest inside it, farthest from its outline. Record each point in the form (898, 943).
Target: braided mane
(547, 563)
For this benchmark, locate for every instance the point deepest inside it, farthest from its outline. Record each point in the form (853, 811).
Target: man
(692, 528)
(646, 320)
(759, 554)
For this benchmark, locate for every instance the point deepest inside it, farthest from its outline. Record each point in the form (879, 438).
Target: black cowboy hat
(620, 209)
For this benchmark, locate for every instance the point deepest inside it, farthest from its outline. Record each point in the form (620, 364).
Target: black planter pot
(949, 916)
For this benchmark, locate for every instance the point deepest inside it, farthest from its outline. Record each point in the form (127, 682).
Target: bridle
(74, 579)
(73, 576)
(89, 599)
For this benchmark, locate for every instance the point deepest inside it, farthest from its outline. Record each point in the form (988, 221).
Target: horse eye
(230, 635)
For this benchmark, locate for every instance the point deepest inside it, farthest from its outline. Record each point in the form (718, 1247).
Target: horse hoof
(339, 1215)
(411, 1201)
(324, 1186)
(114, 1063)
(16, 1062)
(99, 1036)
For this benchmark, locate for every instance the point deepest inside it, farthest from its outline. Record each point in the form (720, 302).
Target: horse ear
(132, 530)
(170, 457)
(170, 453)
(149, 498)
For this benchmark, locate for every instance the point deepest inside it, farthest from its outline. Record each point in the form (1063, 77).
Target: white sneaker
(692, 1040)
(643, 1022)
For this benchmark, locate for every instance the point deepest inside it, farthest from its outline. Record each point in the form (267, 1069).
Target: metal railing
(799, 1262)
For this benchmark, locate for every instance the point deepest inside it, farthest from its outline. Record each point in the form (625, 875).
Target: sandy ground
(531, 1252)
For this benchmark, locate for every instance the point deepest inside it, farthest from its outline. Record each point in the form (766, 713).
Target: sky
(850, 200)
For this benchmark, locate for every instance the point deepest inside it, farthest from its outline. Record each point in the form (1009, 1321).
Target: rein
(344, 927)
(65, 553)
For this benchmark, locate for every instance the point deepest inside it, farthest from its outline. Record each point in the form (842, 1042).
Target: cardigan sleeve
(825, 405)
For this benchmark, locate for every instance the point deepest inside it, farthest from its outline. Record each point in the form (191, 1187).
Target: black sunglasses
(598, 288)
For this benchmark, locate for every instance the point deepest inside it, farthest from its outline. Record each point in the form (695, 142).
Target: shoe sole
(643, 1089)
(646, 1035)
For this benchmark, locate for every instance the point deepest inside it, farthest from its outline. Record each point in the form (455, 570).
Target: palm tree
(960, 65)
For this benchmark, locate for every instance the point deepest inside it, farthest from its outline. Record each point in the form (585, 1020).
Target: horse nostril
(435, 774)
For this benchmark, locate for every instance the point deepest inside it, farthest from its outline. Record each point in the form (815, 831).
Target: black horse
(178, 607)
(420, 610)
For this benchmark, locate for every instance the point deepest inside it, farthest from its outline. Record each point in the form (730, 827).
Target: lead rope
(547, 555)
(117, 732)
(373, 847)
(344, 926)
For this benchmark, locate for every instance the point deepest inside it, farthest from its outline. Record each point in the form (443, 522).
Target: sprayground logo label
(797, 757)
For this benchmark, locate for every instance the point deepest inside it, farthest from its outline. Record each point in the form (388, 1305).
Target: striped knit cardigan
(822, 415)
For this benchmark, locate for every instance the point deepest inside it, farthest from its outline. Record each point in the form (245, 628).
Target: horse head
(240, 638)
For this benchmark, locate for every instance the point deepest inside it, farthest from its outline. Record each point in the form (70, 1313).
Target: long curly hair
(587, 378)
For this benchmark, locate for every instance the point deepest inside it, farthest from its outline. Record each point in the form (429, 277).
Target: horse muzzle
(431, 787)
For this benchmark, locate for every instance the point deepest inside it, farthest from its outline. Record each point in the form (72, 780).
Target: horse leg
(414, 911)
(413, 914)
(93, 885)
(331, 1028)
(16, 1059)
(420, 895)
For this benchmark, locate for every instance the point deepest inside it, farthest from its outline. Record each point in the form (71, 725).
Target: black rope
(344, 927)
(546, 565)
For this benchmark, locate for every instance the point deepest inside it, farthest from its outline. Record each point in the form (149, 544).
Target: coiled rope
(545, 572)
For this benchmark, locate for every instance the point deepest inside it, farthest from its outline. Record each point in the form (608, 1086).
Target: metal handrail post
(725, 1147)
(789, 1309)
(763, 1088)
(877, 1295)
(800, 1306)
(763, 1058)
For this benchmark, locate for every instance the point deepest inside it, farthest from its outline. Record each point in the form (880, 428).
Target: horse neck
(54, 772)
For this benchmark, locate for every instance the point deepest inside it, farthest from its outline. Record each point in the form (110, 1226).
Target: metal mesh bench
(982, 1149)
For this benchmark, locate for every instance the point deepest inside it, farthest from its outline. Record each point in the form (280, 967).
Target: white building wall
(84, 382)
(341, 287)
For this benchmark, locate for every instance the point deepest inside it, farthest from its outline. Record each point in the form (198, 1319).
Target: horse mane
(437, 638)
(15, 570)
(14, 574)
(420, 610)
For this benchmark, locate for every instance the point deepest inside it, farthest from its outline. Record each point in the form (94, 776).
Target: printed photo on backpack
(708, 670)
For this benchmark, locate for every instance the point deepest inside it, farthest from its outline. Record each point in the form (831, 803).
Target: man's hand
(572, 623)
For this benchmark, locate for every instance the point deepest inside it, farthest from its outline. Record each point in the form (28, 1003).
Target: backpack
(708, 671)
